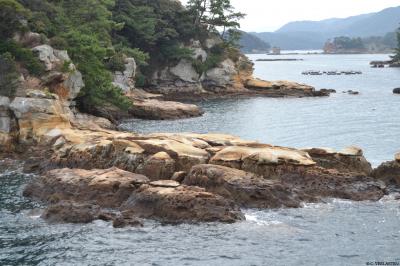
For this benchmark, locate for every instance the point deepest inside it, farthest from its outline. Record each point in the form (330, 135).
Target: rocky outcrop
(62, 77)
(232, 76)
(37, 116)
(107, 188)
(80, 196)
(396, 91)
(283, 89)
(267, 161)
(389, 172)
(246, 189)
(181, 204)
(164, 110)
(289, 190)
(350, 159)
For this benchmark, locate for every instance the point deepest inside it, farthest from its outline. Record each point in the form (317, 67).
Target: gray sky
(266, 15)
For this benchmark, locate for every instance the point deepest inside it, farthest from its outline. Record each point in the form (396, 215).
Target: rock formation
(389, 172)
(88, 171)
(232, 76)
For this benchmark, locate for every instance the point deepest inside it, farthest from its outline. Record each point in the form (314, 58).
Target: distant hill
(313, 34)
(251, 44)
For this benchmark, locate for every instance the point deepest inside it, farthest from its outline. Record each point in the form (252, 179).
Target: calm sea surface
(333, 233)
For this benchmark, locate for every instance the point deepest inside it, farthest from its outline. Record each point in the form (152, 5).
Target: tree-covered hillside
(98, 34)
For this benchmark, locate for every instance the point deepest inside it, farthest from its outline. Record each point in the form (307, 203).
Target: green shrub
(11, 14)
(8, 75)
(116, 63)
(175, 53)
(24, 56)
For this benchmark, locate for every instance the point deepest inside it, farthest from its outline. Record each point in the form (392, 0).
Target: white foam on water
(253, 218)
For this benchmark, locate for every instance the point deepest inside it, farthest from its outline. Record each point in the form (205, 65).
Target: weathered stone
(316, 183)
(223, 74)
(163, 110)
(73, 83)
(158, 166)
(281, 88)
(181, 204)
(246, 189)
(269, 162)
(126, 79)
(46, 55)
(86, 121)
(71, 212)
(106, 188)
(292, 188)
(185, 71)
(37, 116)
(350, 159)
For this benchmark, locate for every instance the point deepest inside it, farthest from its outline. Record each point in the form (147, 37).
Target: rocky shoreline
(84, 175)
(86, 170)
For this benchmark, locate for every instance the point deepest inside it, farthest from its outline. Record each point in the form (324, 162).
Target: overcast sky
(269, 15)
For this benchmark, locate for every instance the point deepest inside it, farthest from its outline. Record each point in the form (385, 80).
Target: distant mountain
(251, 44)
(313, 34)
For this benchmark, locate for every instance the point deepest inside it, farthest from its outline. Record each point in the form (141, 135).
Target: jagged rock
(396, 91)
(46, 55)
(164, 110)
(223, 74)
(350, 159)
(73, 83)
(66, 85)
(185, 71)
(107, 188)
(126, 79)
(181, 204)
